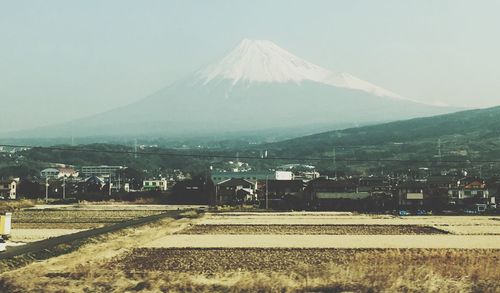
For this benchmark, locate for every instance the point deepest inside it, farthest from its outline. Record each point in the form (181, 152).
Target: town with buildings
(288, 187)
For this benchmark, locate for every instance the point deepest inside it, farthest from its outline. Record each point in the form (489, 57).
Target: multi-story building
(100, 170)
(8, 189)
(412, 194)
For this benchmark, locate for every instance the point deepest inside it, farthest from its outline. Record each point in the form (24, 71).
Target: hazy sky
(63, 59)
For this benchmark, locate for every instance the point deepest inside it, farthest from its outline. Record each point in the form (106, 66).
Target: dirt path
(327, 241)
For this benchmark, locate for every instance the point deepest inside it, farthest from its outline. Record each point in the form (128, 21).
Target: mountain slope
(257, 86)
(466, 135)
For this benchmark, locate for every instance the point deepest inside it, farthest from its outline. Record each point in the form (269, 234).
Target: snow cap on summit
(264, 61)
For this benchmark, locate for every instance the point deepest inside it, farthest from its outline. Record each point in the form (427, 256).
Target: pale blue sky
(63, 59)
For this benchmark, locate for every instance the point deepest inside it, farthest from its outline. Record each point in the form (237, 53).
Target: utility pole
(135, 148)
(267, 192)
(335, 162)
(109, 185)
(64, 187)
(216, 196)
(46, 189)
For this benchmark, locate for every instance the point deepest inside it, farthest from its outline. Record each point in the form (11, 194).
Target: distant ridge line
(231, 156)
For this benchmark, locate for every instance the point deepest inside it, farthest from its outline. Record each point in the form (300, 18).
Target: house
(8, 189)
(411, 195)
(92, 184)
(469, 189)
(67, 172)
(374, 184)
(126, 187)
(473, 193)
(155, 184)
(280, 188)
(301, 171)
(235, 191)
(494, 191)
(381, 192)
(306, 175)
(282, 194)
(49, 173)
(474, 189)
(60, 172)
(440, 191)
(326, 194)
(193, 191)
(443, 182)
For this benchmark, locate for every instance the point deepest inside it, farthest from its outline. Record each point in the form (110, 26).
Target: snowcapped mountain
(256, 86)
(264, 61)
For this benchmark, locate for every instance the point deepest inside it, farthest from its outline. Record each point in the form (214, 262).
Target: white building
(283, 175)
(8, 189)
(49, 173)
(100, 170)
(58, 172)
(155, 184)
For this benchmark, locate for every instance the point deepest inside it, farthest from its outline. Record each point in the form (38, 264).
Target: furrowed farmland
(269, 252)
(36, 224)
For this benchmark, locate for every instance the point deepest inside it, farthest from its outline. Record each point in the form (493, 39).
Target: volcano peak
(264, 61)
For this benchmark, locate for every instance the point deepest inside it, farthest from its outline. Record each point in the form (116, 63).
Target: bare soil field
(279, 252)
(81, 216)
(287, 259)
(31, 235)
(327, 241)
(297, 218)
(56, 225)
(313, 229)
(115, 206)
(471, 230)
(31, 225)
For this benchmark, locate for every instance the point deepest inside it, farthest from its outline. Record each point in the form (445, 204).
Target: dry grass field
(126, 261)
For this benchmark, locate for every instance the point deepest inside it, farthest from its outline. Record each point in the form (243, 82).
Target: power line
(229, 156)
